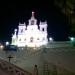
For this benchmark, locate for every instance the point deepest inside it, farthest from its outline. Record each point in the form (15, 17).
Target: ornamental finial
(33, 13)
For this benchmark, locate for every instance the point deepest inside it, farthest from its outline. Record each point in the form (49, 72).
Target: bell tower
(32, 20)
(43, 26)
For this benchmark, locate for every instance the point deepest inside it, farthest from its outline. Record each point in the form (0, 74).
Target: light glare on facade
(30, 35)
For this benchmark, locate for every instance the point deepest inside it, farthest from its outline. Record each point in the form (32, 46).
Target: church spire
(32, 14)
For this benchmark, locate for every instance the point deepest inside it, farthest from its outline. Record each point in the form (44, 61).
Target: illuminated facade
(31, 35)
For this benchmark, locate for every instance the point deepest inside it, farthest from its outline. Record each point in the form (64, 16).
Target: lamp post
(9, 58)
(72, 39)
(7, 43)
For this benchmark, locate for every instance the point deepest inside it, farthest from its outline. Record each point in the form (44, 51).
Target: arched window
(21, 30)
(19, 39)
(32, 22)
(25, 39)
(31, 39)
(42, 29)
(43, 38)
(37, 38)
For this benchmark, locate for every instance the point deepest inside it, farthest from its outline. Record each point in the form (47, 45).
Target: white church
(30, 35)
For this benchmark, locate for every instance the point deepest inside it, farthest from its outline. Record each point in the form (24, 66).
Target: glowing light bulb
(50, 39)
(7, 43)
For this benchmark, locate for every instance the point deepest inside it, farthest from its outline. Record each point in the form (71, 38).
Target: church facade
(31, 35)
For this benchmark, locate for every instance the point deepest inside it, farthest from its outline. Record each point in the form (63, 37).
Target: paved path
(26, 59)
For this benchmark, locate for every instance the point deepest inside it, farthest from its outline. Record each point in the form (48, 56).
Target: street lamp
(9, 57)
(72, 39)
(7, 43)
(50, 39)
(1, 46)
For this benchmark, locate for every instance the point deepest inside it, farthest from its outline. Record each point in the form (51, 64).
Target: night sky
(11, 13)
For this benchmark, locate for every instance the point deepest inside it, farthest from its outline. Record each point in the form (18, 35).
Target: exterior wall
(31, 35)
